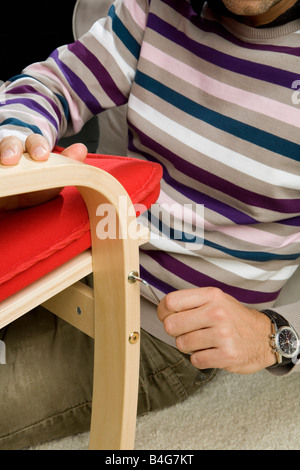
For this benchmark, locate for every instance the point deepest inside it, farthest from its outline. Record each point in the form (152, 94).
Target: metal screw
(134, 337)
(78, 310)
(133, 277)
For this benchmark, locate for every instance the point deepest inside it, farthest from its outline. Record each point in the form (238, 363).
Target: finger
(208, 359)
(196, 341)
(37, 147)
(180, 323)
(76, 152)
(188, 299)
(11, 149)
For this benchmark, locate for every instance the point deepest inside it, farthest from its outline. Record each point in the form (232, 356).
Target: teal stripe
(21, 75)
(19, 123)
(65, 106)
(63, 101)
(234, 127)
(123, 34)
(260, 256)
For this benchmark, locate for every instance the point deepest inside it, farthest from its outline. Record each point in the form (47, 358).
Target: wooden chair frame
(110, 312)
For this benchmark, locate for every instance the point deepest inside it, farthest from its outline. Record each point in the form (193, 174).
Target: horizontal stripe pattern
(212, 103)
(243, 67)
(232, 126)
(18, 123)
(269, 107)
(193, 276)
(178, 91)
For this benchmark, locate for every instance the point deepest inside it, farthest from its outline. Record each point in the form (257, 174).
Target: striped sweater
(214, 102)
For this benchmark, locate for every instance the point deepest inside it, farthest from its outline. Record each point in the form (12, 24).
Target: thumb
(76, 152)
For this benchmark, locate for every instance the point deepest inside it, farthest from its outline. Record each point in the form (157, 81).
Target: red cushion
(36, 240)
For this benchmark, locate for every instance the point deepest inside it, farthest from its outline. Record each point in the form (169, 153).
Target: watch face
(287, 341)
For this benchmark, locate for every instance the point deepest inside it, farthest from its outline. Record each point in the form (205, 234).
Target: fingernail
(8, 153)
(39, 152)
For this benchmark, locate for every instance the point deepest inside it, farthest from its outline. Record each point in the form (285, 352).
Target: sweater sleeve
(56, 97)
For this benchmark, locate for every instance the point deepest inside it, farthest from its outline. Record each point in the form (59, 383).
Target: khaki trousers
(46, 384)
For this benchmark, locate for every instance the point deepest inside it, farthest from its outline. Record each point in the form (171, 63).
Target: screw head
(134, 337)
(132, 277)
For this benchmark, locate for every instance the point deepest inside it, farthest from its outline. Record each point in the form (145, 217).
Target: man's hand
(11, 150)
(217, 330)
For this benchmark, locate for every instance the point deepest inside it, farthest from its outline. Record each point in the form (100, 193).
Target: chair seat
(36, 240)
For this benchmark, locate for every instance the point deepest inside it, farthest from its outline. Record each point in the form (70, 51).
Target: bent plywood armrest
(110, 312)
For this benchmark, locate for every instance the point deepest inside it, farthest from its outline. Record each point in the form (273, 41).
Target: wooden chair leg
(116, 333)
(114, 325)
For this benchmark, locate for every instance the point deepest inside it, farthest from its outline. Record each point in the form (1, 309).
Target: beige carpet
(232, 412)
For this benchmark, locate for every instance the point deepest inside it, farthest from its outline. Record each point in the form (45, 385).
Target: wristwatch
(284, 340)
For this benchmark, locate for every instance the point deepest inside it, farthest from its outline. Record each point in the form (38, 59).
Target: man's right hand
(11, 150)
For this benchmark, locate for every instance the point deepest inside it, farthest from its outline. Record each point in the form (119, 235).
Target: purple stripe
(99, 71)
(183, 8)
(155, 282)
(292, 222)
(33, 105)
(22, 90)
(225, 61)
(289, 206)
(214, 27)
(215, 205)
(78, 86)
(199, 279)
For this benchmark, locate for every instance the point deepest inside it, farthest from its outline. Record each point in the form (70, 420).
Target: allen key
(133, 276)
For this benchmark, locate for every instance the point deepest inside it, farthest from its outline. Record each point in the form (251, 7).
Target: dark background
(30, 30)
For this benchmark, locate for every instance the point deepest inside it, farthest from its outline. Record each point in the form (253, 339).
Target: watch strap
(278, 319)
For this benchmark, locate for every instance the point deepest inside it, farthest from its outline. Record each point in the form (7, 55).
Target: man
(250, 8)
(209, 97)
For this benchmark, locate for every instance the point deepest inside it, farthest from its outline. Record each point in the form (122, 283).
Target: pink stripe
(76, 118)
(257, 103)
(180, 211)
(136, 12)
(245, 233)
(43, 125)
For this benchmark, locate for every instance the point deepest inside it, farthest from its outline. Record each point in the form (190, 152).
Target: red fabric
(36, 240)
